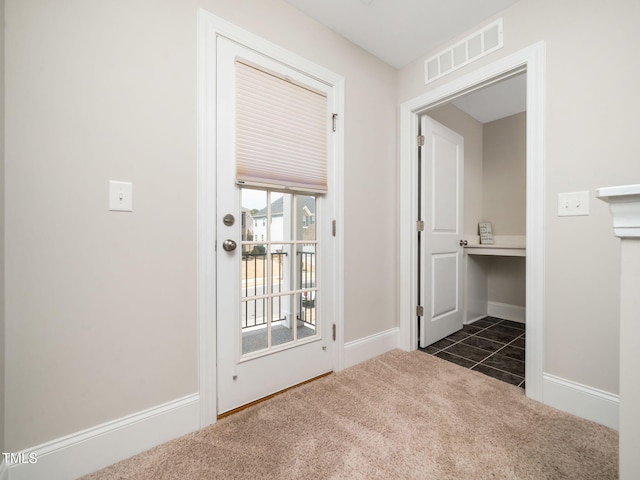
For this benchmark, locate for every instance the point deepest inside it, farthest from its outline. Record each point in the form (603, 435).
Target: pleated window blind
(281, 132)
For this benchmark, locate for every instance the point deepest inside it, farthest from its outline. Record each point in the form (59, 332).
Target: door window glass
(278, 264)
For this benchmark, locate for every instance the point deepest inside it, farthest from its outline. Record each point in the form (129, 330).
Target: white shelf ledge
(624, 203)
(500, 250)
(505, 245)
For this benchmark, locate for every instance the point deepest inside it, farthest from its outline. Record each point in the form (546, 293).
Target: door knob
(229, 245)
(463, 243)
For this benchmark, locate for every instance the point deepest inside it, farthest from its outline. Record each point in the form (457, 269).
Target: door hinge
(421, 140)
(420, 311)
(333, 228)
(334, 121)
(334, 332)
(420, 226)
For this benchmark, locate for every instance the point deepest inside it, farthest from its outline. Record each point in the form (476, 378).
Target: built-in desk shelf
(476, 304)
(501, 250)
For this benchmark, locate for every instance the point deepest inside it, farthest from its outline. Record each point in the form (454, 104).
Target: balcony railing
(307, 275)
(255, 284)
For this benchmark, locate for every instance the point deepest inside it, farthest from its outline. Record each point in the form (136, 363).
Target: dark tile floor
(491, 346)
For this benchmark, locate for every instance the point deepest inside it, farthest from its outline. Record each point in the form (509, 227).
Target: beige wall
(506, 280)
(590, 85)
(101, 307)
(505, 174)
(505, 202)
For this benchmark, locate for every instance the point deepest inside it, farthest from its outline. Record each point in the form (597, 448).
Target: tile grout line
(488, 366)
(490, 353)
(499, 350)
(472, 335)
(488, 339)
(499, 369)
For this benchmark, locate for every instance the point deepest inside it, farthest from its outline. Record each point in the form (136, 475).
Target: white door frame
(210, 27)
(532, 59)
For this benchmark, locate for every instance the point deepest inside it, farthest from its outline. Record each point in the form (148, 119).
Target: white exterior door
(272, 264)
(441, 294)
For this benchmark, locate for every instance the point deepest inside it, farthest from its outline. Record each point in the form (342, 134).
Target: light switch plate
(573, 204)
(120, 196)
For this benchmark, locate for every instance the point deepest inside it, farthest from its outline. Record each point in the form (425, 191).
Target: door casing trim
(531, 59)
(210, 27)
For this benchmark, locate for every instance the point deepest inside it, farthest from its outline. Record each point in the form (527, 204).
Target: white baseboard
(583, 401)
(4, 470)
(505, 311)
(369, 347)
(95, 448)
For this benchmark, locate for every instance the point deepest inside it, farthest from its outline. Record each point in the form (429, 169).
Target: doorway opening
(530, 62)
(483, 322)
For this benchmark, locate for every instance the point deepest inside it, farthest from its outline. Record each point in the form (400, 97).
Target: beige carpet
(399, 416)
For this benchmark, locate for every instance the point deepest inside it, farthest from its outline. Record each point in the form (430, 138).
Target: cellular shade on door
(281, 131)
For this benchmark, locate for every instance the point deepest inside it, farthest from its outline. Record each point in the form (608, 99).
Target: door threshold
(260, 400)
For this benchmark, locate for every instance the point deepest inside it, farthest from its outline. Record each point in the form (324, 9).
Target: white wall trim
(624, 203)
(515, 313)
(583, 401)
(531, 59)
(369, 347)
(89, 450)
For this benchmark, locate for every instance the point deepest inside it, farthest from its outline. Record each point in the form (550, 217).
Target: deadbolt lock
(228, 220)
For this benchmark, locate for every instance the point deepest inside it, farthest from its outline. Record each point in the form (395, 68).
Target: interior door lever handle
(463, 243)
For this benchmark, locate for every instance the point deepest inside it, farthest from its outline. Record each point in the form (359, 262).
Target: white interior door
(271, 263)
(442, 168)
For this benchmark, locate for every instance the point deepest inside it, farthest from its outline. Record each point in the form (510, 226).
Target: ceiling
(496, 101)
(400, 31)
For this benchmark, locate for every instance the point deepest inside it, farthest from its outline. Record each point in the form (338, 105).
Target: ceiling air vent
(473, 47)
